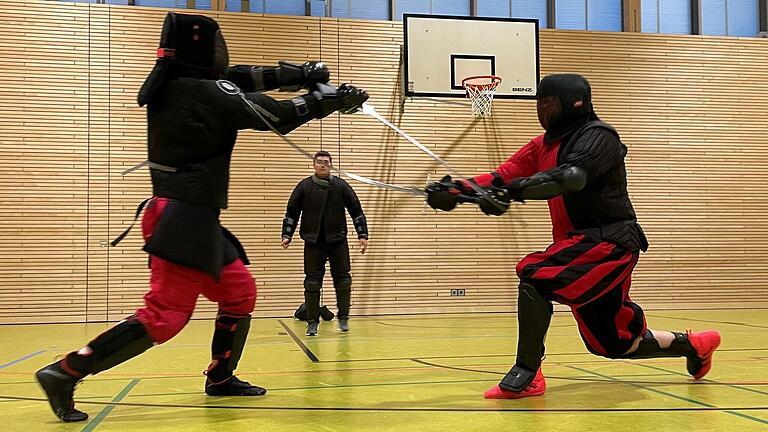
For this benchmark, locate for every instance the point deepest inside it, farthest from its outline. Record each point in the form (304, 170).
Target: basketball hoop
(480, 90)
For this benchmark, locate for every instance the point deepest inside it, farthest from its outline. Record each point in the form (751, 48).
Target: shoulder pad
(227, 87)
(599, 124)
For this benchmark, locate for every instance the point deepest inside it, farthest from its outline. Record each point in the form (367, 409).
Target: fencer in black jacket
(320, 201)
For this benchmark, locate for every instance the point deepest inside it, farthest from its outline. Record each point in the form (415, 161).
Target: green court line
(107, 409)
(736, 386)
(465, 369)
(405, 409)
(507, 355)
(330, 387)
(21, 359)
(512, 327)
(708, 321)
(674, 396)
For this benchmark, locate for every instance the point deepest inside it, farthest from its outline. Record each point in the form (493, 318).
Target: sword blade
(371, 111)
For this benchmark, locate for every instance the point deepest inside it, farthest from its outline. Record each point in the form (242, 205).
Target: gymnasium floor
(399, 373)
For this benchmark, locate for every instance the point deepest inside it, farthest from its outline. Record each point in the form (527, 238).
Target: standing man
(578, 166)
(193, 116)
(320, 200)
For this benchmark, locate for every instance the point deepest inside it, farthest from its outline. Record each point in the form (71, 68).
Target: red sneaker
(537, 387)
(705, 343)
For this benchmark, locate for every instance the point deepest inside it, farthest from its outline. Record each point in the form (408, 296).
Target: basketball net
(480, 90)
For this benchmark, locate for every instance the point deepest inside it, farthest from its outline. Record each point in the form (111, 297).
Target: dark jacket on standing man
(321, 204)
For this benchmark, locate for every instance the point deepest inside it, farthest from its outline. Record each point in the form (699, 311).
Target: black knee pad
(524, 286)
(311, 285)
(343, 283)
(614, 348)
(614, 354)
(534, 294)
(591, 349)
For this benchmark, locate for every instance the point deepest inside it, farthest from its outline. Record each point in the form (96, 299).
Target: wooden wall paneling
(265, 169)
(43, 162)
(100, 122)
(133, 38)
(686, 106)
(418, 255)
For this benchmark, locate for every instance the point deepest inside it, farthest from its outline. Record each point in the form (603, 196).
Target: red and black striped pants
(593, 277)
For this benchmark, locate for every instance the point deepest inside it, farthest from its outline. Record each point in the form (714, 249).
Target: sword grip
(467, 199)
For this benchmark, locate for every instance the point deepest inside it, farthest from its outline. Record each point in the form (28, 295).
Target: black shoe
(233, 387)
(312, 328)
(59, 387)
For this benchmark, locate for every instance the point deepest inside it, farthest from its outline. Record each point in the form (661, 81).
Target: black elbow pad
(574, 178)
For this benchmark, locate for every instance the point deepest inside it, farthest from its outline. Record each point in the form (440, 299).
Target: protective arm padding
(260, 109)
(355, 211)
(252, 78)
(293, 212)
(548, 184)
(286, 76)
(597, 150)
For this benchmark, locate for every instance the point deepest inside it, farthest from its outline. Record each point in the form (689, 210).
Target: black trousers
(315, 258)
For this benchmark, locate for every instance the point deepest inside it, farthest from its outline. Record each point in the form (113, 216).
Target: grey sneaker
(312, 328)
(344, 325)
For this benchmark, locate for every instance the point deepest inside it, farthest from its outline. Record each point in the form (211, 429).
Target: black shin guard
(312, 299)
(124, 341)
(227, 345)
(534, 313)
(226, 349)
(649, 348)
(343, 296)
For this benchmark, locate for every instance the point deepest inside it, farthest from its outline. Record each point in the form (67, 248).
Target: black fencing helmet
(190, 46)
(575, 96)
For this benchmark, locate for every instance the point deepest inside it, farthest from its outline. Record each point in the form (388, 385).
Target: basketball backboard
(440, 51)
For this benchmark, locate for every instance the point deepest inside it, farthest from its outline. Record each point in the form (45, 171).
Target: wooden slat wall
(688, 107)
(44, 135)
